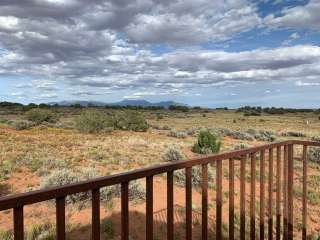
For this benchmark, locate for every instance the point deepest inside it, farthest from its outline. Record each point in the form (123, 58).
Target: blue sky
(208, 53)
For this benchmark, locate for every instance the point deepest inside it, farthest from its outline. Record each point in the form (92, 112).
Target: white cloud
(306, 16)
(303, 84)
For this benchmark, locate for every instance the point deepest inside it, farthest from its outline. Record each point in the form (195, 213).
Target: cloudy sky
(209, 53)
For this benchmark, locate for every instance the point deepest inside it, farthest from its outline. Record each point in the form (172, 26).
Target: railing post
(270, 193)
(290, 192)
(219, 200)
(189, 203)
(125, 211)
(262, 193)
(96, 214)
(18, 223)
(170, 219)
(60, 218)
(205, 201)
(243, 197)
(231, 199)
(253, 198)
(149, 208)
(278, 197)
(304, 198)
(285, 191)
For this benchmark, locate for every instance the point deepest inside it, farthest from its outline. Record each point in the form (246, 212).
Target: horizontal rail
(22, 199)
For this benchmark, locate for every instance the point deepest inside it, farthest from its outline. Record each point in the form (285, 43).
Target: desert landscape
(43, 146)
(159, 120)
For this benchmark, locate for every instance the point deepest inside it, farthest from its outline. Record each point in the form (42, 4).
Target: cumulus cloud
(105, 45)
(298, 17)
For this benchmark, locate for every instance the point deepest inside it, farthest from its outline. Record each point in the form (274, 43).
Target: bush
(21, 124)
(178, 134)
(241, 146)
(293, 134)
(314, 154)
(131, 121)
(93, 121)
(316, 139)
(262, 135)
(251, 113)
(241, 135)
(39, 116)
(65, 176)
(173, 154)
(137, 191)
(107, 227)
(59, 178)
(180, 176)
(207, 143)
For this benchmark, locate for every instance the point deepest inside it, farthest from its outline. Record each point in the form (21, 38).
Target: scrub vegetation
(43, 146)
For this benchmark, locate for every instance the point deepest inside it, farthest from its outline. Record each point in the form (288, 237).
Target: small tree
(93, 121)
(207, 143)
(132, 121)
(39, 116)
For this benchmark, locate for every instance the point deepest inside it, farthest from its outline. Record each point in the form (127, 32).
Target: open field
(30, 155)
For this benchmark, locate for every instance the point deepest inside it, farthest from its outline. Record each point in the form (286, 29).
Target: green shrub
(107, 227)
(314, 154)
(207, 143)
(6, 167)
(131, 121)
(94, 121)
(39, 116)
(173, 154)
(3, 121)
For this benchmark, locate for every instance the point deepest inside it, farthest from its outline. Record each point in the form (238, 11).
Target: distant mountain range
(127, 102)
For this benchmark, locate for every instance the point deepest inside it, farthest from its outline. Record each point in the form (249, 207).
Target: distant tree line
(12, 105)
(247, 110)
(257, 111)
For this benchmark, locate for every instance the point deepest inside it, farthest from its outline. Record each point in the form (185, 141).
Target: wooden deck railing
(284, 152)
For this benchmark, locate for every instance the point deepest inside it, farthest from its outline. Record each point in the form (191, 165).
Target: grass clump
(173, 153)
(42, 231)
(178, 134)
(207, 143)
(39, 116)
(6, 235)
(241, 146)
(21, 124)
(180, 176)
(93, 121)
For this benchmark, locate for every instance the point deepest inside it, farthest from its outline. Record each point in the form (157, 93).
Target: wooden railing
(283, 151)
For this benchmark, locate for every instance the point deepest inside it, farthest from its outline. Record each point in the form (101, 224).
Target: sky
(222, 53)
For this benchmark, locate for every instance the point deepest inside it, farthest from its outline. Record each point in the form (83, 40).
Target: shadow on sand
(111, 226)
